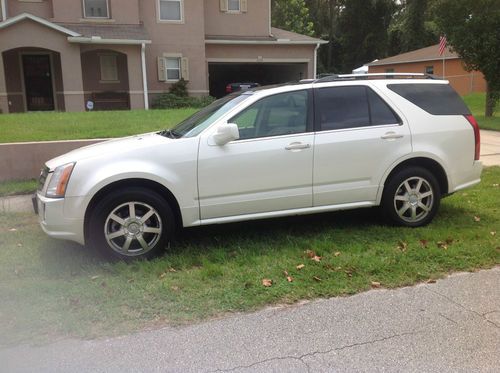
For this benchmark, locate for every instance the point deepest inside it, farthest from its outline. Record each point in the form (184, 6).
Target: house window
(429, 70)
(109, 68)
(173, 67)
(233, 5)
(389, 71)
(95, 9)
(170, 10)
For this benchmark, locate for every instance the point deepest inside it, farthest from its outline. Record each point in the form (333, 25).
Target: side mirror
(226, 133)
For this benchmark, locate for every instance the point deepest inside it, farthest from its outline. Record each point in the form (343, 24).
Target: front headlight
(59, 181)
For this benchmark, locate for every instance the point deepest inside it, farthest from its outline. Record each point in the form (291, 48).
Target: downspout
(4, 10)
(315, 69)
(270, 19)
(144, 76)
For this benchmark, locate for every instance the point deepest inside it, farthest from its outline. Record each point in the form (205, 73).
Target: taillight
(229, 89)
(477, 138)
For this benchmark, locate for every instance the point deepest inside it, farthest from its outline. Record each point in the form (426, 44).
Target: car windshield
(202, 119)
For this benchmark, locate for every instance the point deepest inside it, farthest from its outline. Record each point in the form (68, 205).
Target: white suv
(332, 144)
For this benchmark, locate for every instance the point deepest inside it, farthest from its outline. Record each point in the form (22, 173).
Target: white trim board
(24, 16)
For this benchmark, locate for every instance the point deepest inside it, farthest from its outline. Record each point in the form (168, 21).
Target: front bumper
(53, 220)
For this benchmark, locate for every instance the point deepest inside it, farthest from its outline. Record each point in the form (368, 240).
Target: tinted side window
(380, 112)
(351, 107)
(342, 107)
(281, 114)
(436, 99)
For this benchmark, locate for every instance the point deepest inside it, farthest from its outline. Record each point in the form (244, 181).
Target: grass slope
(476, 102)
(27, 127)
(51, 288)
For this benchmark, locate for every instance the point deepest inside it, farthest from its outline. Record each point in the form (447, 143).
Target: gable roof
(26, 16)
(420, 55)
(278, 36)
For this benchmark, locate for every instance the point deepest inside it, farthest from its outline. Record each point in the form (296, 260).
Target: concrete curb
(20, 203)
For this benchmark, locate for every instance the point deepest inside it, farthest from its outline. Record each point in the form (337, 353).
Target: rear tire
(131, 223)
(411, 197)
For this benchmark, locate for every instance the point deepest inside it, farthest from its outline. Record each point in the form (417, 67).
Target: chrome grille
(43, 176)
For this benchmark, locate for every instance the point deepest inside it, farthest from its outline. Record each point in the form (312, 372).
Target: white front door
(269, 168)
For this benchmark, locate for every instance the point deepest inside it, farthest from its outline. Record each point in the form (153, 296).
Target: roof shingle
(425, 54)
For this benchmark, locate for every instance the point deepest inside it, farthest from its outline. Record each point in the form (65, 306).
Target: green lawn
(103, 124)
(51, 289)
(11, 188)
(85, 125)
(476, 102)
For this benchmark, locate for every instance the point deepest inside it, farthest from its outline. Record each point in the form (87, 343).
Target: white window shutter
(223, 6)
(185, 68)
(162, 73)
(244, 5)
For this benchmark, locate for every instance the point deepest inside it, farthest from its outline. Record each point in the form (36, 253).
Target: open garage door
(222, 74)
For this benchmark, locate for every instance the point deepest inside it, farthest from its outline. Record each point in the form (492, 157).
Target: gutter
(144, 76)
(266, 42)
(99, 40)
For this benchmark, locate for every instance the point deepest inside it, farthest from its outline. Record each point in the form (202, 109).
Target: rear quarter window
(436, 99)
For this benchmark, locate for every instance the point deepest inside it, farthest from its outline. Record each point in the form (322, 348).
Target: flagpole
(444, 71)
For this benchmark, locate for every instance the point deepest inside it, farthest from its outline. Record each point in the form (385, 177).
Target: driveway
(490, 148)
(449, 326)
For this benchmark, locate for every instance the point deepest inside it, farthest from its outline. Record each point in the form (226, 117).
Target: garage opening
(222, 74)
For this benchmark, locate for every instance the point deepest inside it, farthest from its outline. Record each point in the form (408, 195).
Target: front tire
(411, 197)
(133, 223)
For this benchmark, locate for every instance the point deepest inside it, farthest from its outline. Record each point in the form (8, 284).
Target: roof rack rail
(337, 77)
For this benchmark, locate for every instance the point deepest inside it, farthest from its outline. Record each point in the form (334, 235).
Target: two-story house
(77, 54)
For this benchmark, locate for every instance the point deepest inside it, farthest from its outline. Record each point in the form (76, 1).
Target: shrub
(179, 88)
(177, 97)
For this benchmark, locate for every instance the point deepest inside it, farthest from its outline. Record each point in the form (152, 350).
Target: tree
(292, 15)
(363, 31)
(472, 28)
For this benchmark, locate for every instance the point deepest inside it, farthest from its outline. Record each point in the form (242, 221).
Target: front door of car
(269, 168)
(358, 137)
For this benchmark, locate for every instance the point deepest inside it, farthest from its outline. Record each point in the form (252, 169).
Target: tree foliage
(473, 30)
(292, 15)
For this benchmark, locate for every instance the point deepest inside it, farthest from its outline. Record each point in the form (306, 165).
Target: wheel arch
(163, 191)
(428, 163)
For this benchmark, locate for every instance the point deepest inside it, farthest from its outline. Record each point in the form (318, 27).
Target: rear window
(436, 99)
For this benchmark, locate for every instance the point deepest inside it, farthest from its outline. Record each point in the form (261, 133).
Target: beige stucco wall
(20, 35)
(254, 22)
(186, 39)
(121, 11)
(41, 9)
(263, 54)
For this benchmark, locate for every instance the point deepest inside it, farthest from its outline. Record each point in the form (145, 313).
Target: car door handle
(297, 146)
(391, 136)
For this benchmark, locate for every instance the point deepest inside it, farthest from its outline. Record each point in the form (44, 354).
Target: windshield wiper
(169, 133)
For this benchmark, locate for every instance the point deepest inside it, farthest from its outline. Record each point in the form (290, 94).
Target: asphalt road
(449, 326)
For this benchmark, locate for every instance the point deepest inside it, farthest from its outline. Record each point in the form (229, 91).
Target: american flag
(442, 44)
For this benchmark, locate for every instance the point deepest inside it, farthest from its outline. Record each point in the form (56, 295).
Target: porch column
(136, 89)
(71, 68)
(4, 101)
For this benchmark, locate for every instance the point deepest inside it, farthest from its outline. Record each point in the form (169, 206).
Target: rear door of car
(358, 137)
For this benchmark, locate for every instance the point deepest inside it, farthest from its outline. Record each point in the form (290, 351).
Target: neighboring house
(427, 60)
(118, 54)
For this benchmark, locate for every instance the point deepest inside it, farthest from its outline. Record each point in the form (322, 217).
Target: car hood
(115, 146)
